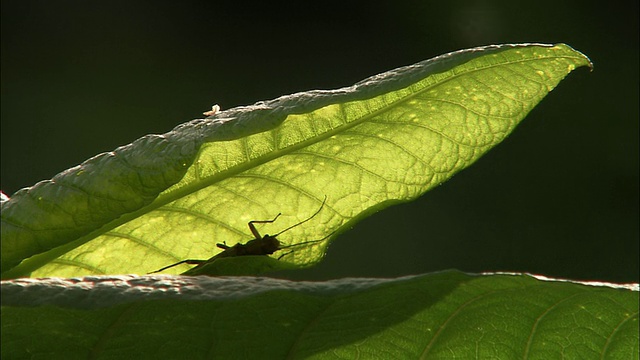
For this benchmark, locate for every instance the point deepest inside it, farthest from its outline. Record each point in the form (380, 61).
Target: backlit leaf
(387, 139)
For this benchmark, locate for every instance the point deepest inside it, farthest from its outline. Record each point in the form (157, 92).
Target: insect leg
(253, 229)
(285, 254)
(292, 247)
(188, 261)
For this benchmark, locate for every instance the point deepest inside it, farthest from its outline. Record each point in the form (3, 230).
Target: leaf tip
(584, 59)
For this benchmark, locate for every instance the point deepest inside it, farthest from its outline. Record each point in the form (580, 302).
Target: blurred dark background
(559, 197)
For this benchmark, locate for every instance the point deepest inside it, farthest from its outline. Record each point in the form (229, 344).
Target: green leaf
(387, 139)
(448, 315)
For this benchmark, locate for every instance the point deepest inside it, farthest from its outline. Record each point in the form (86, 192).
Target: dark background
(559, 197)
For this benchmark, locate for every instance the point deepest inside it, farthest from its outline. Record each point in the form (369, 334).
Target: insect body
(260, 245)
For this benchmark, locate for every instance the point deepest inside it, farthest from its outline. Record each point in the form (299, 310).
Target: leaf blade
(387, 139)
(435, 316)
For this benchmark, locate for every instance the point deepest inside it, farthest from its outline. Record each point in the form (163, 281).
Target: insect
(260, 245)
(214, 110)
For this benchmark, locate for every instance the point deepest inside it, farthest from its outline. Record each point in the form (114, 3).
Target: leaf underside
(387, 139)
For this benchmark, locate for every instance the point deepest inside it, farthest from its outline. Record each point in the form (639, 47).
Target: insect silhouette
(260, 245)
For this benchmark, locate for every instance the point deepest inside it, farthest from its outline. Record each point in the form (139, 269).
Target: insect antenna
(304, 243)
(303, 221)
